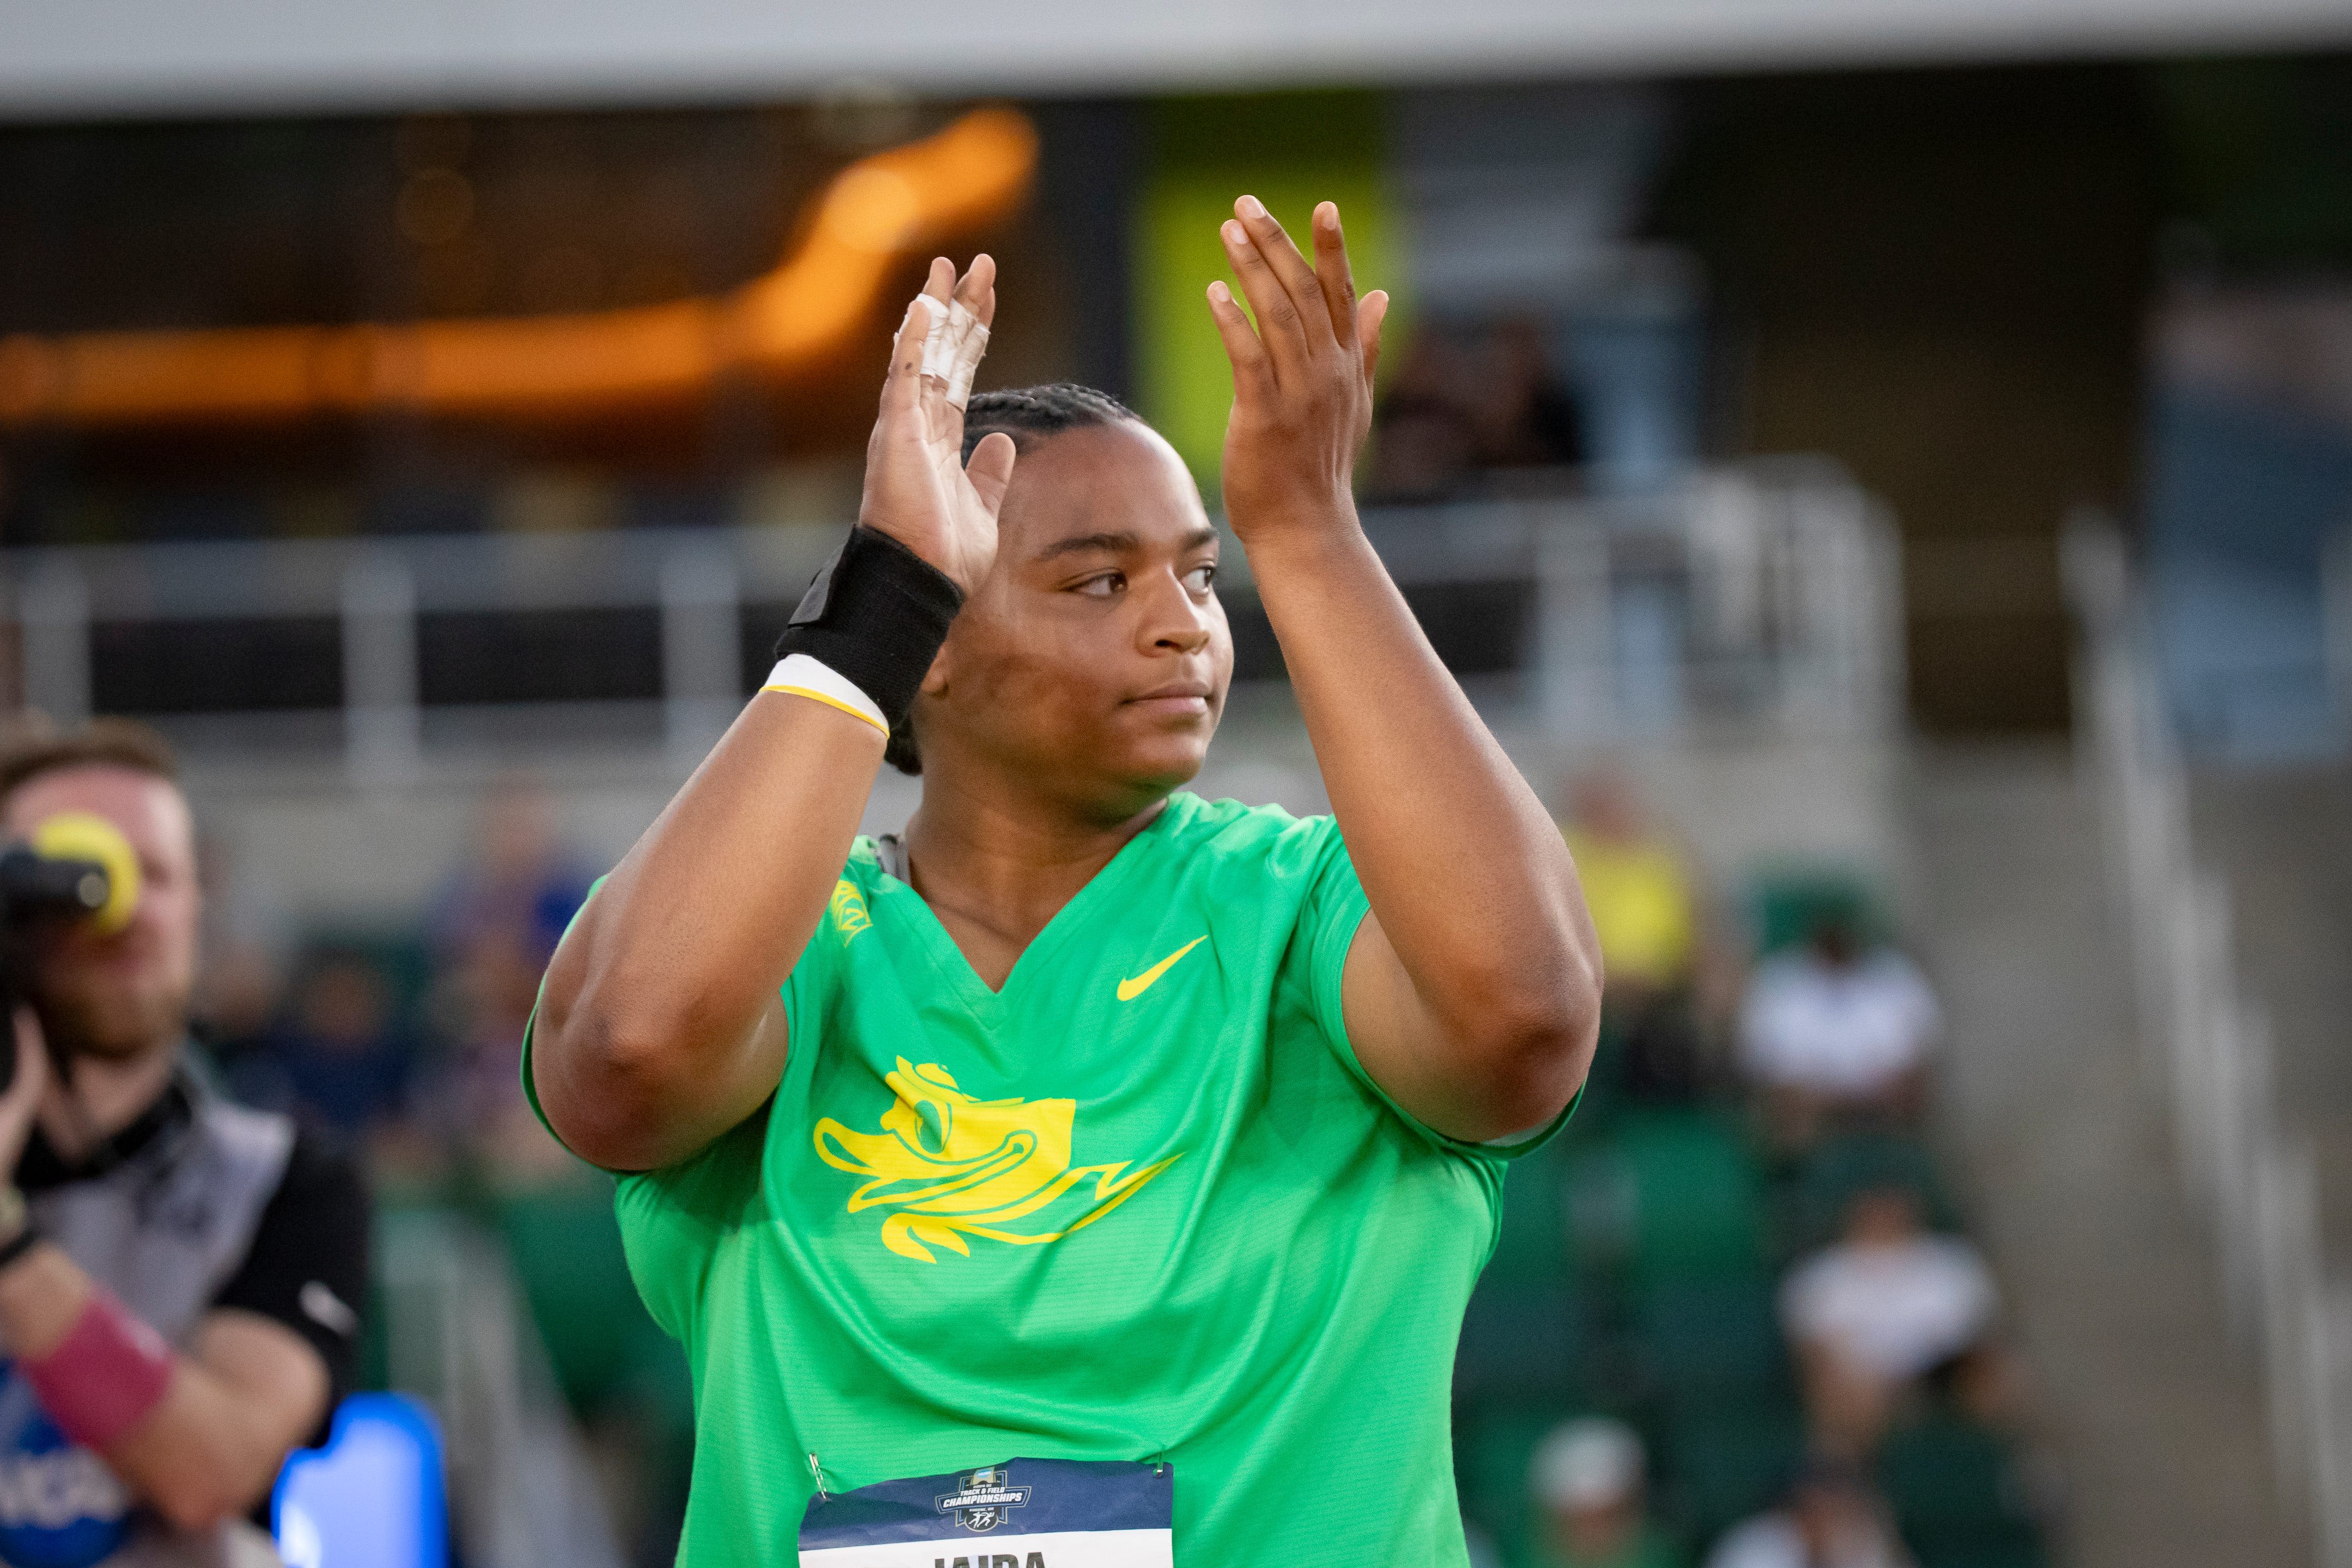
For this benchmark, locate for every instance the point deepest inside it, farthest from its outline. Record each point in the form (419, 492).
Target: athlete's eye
(1103, 585)
(1200, 577)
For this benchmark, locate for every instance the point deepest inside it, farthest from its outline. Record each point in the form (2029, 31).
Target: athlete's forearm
(659, 1027)
(1469, 880)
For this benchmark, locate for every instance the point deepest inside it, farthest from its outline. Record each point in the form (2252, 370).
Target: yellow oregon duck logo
(848, 907)
(948, 1166)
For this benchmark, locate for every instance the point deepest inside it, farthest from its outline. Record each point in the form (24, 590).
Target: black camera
(76, 868)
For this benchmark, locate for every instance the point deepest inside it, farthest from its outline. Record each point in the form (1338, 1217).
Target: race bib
(1023, 1513)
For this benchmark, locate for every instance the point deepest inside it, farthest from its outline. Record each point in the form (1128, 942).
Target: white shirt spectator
(1772, 1541)
(1848, 1032)
(1893, 1310)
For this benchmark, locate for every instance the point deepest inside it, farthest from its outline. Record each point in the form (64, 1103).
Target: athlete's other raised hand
(1302, 378)
(918, 489)
(1480, 1025)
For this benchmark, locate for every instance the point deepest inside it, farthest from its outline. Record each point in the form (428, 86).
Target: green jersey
(1141, 1203)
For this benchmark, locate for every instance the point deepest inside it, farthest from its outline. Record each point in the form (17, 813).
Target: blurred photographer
(180, 1277)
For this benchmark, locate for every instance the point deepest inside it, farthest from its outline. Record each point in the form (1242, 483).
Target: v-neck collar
(957, 970)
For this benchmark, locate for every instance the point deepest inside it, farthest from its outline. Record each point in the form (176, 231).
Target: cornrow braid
(1027, 414)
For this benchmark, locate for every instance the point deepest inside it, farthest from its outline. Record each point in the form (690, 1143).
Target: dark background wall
(1939, 278)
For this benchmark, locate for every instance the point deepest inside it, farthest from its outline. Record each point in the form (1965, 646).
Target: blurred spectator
(1426, 442)
(1590, 1481)
(1881, 1306)
(247, 938)
(1634, 884)
(1647, 918)
(1524, 416)
(1963, 1490)
(1829, 1519)
(338, 1060)
(518, 887)
(1465, 399)
(1837, 1028)
(493, 927)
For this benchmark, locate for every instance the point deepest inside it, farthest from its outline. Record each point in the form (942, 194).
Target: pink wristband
(110, 1369)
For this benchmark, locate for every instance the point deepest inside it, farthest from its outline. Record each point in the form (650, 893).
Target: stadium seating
(1669, 1195)
(1636, 1275)
(1827, 1179)
(1958, 1494)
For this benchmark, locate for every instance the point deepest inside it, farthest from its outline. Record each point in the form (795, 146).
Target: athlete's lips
(1175, 697)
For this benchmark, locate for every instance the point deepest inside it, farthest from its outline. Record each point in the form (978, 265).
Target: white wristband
(797, 675)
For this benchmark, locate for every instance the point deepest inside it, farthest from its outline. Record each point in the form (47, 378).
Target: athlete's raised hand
(1302, 378)
(918, 489)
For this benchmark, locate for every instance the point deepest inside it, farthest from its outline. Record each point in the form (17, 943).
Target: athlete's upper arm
(684, 1125)
(1397, 1041)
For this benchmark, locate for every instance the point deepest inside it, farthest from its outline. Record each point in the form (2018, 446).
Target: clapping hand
(918, 489)
(1302, 378)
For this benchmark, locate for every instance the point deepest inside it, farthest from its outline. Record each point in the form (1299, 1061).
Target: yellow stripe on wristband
(850, 708)
(800, 676)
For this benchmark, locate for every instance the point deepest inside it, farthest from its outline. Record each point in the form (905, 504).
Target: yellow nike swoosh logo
(1130, 989)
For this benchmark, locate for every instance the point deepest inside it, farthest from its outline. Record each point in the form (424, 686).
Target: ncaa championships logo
(984, 1499)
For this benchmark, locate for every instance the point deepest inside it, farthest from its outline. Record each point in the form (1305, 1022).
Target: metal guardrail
(2255, 1179)
(523, 1491)
(1767, 595)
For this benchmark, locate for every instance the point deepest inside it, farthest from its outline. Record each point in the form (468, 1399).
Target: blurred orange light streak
(787, 320)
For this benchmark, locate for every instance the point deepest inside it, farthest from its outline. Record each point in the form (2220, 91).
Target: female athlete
(1096, 1173)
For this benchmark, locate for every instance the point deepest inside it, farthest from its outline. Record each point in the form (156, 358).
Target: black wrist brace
(875, 616)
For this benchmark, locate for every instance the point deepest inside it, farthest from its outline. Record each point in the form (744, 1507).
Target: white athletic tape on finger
(953, 346)
(967, 364)
(950, 321)
(935, 315)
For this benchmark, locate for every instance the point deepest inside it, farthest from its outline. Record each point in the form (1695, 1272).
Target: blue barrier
(373, 1496)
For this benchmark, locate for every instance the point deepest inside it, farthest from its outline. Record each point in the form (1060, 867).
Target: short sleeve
(306, 1269)
(531, 1024)
(674, 1221)
(806, 988)
(1329, 918)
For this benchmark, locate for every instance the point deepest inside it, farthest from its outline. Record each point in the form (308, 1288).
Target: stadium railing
(524, 1492)
(2208, 1046)
(1764, 595)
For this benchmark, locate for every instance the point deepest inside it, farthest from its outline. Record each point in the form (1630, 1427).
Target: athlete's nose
(1176, 621)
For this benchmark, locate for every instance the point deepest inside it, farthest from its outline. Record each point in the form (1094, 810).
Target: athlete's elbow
(1534, 1043)
(1542, 1039)
(603, 1074)
(1538, 1005)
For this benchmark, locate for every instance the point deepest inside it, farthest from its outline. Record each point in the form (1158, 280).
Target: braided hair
(1027, 414)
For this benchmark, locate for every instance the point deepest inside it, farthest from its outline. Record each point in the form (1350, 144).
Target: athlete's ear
(935, 679)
